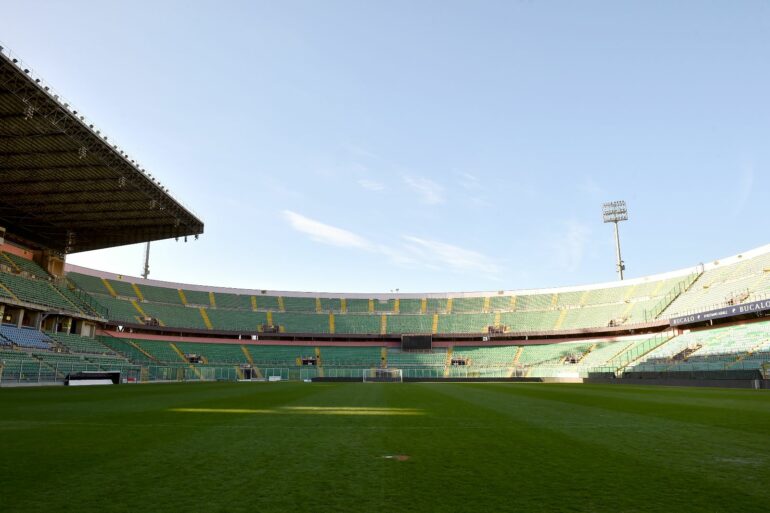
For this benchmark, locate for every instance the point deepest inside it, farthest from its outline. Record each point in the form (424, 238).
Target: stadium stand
(726, 284)
(215, 353)
(88, 283)
(602, 321)
(232, 301)
(335, 356)
(299, 304)
(354, 324)
(25, 265)
(80, 344)
(36, 291)
(25, 337)
(240, 320)
(397, 324)
(283, 356)
(301, 322)
(160, 294)
(122, 288)
(743, 347)
(570, 310)
(400, 359)
(492, 356)
(263, 302)
(174, 315)
(127, 349)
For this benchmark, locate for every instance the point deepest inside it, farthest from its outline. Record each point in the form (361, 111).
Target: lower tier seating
(25, 337)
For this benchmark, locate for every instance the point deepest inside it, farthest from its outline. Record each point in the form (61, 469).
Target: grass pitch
(384, 447)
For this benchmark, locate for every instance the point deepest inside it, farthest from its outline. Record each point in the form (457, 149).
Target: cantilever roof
(65, 187)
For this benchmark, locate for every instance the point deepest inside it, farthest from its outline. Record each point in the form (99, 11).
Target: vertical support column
(37, 320)
(617, 251)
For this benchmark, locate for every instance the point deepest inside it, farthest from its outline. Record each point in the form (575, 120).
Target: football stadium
(641, 394)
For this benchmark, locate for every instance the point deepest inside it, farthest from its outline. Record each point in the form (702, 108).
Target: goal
(383, 376)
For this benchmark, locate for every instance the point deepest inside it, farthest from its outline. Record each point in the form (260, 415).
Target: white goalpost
(383, 376)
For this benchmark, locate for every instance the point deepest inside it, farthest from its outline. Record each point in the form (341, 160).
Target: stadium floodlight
(146, 270)
(616, 212)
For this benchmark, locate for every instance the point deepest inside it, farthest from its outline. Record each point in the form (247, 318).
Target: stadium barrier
(23, 373)
(755, 384)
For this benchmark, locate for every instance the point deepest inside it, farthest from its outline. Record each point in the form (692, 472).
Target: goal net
(383, 376)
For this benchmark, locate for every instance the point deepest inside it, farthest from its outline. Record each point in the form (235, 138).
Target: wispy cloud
(324, 233)
(371, 185)
(568, 247)
(430, 192)
(410, 251)
(469, 181)
(442, 255)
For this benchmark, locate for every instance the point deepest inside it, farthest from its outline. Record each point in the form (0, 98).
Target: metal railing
(670, 297)
(84, 297)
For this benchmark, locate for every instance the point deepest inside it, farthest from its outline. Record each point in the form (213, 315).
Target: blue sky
(425, 146)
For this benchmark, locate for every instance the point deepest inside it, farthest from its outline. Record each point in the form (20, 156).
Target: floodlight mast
(146, 270)
(616, 212)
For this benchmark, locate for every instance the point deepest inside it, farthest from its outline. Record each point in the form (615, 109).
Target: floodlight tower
(146, 270)
(616, 212)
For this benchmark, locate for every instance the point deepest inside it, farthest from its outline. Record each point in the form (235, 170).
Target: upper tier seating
(745, 280)
(123, 288)
(357, 323)
(569, 310)
(467, 305)
(464, 323)
(291, 322)
(24, 265)
(268, 303)
(232, 301)
(398, 324)
(119, 309)
(4, 292)
(331, 304)
(88, 283)
(357, 305)
(299, 304)
(238, 320)
(196, 297)
(160, 294)
(410, 306)
(175, 315)
(40, 292)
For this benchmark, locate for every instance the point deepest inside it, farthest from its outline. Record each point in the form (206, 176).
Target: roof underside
(64, 187)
